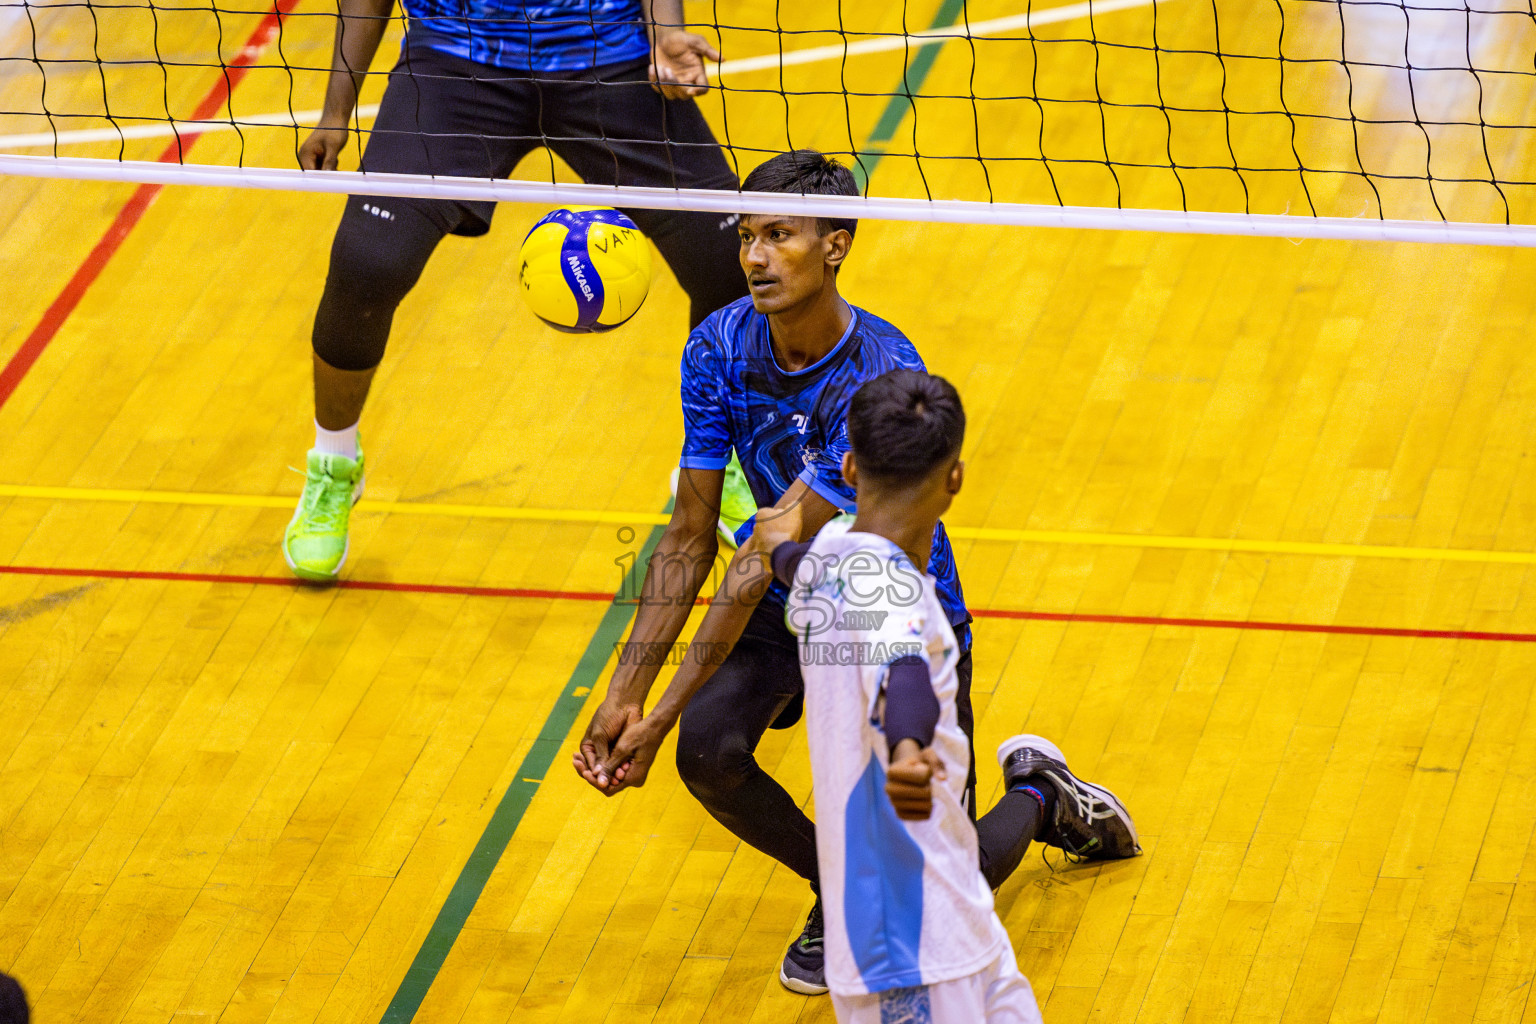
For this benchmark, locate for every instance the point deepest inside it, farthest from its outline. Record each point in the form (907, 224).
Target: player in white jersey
(911, 933)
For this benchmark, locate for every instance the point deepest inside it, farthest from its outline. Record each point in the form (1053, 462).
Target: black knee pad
(710, 761)
(377, 257)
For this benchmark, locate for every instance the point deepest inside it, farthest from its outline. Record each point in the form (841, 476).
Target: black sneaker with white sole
(805, 963)
(1090, 822)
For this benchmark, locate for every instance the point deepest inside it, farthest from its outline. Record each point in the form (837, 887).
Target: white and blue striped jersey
(905, 902)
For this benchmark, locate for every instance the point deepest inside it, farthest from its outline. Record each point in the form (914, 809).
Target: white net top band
(860, 207)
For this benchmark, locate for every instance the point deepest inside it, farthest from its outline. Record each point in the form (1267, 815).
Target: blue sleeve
(825, 473)
(706, 433)
(911, 706)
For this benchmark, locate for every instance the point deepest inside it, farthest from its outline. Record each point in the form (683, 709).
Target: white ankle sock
(336, 442)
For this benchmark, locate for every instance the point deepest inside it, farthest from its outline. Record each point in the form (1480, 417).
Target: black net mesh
(1364, 108)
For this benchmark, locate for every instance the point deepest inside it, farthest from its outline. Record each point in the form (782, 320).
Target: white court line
(885, 44)
(767, 61)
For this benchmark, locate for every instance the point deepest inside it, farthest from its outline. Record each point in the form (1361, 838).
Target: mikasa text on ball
(585, 268)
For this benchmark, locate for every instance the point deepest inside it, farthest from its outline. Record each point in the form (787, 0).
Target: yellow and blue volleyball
(585, 269)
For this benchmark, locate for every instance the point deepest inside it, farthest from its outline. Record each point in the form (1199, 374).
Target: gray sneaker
(805, 963)
(1090, 822)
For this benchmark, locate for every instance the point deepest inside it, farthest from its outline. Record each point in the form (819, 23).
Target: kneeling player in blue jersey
(911, 934)
(771, 376)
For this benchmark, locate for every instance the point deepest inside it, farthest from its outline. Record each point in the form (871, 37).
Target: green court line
(901, 102)
(514, 803)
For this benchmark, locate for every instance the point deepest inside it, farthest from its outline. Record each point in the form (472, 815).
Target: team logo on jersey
(809, 454)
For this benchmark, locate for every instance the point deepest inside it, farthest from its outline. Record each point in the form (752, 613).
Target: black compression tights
(376, 259)
(718, 737)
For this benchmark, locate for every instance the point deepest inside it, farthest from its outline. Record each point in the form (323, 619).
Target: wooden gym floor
(1249, 528)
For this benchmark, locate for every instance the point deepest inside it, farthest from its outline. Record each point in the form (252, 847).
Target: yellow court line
(1271, 547)
(981, 533)
(366, 505)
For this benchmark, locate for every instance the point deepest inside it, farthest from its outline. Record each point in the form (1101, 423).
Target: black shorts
(448, 116)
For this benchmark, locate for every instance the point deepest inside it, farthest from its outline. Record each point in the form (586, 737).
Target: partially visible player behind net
(606, 84)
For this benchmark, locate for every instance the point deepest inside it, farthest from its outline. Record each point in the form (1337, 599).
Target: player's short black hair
(806, 172)
(904, 424)
(13, 1002)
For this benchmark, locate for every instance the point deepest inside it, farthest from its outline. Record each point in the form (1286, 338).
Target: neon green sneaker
(736, 502)
(315, 543)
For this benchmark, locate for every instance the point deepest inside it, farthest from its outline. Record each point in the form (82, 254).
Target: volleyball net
(1323, 118)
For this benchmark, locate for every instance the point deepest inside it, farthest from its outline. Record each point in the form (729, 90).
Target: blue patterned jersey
(792, 426)
(532, 35)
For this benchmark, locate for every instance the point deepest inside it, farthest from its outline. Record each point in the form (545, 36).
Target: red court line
(597, 595)
(86, 274)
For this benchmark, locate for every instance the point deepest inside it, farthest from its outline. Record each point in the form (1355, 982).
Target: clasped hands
(619, 746)
(612, 766)
(621, 741)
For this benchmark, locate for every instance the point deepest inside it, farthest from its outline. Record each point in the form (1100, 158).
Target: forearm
(359, 30)
(800, 512)
(673, 578)
(746, 581)
(662, 16)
